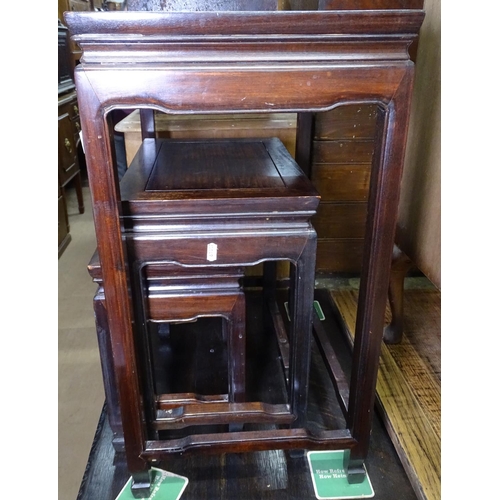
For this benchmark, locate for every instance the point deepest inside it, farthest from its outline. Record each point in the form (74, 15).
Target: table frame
(243, 62)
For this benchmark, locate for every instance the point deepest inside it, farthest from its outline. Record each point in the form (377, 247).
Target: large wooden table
(244, 62)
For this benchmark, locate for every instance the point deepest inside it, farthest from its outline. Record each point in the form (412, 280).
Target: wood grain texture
(342, 151)
(346, 122)
(340, 220)
(408, 386)
(348, 182)
(230, 166)
(339, 255)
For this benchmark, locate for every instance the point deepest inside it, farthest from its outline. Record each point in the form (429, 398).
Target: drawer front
(195, 249)
(72, 109)
(341, 182)
(346, 122)
(340, 220)
(69, 106)
(68, 165)
(342, 151)
(339, 255)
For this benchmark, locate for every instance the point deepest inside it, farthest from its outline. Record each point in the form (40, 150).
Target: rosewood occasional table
(225, 62)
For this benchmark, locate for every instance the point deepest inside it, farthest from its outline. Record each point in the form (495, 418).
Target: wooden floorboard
(409, 383)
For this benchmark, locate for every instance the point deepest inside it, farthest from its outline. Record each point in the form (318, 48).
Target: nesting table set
(175, 236)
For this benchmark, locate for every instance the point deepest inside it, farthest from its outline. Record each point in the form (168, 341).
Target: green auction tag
(330, 479)
(317, 308)
(164, 486)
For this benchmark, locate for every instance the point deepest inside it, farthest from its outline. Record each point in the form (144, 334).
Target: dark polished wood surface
(216, 176)
(229, 164)
(272, 475)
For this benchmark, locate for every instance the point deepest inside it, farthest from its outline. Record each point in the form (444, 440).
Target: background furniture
(418, 231)
(70, 154)
(63, 6)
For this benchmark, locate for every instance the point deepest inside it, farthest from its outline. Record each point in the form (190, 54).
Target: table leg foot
(354, 468)
(141, 484)
(298, 453)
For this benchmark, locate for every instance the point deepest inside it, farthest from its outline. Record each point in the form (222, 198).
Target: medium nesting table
(197, 211)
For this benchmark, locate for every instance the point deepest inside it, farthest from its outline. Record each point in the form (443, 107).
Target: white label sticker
(211, 252)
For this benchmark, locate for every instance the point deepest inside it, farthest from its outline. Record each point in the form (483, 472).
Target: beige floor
(81, 394)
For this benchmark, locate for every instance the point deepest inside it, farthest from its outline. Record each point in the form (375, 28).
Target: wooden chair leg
(79, 192)
(401, 264)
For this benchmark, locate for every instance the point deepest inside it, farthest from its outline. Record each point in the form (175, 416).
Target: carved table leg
(401, 264)
(301, 312)
(387, 165)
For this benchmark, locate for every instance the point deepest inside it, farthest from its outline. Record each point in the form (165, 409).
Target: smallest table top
(233, 176)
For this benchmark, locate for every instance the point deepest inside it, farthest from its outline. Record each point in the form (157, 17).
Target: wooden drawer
(68, 166)
(74, 114)
(343, 151)
(340, 220)
(346, 122)
(341, 182)
(339, 255)
(70, 106)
